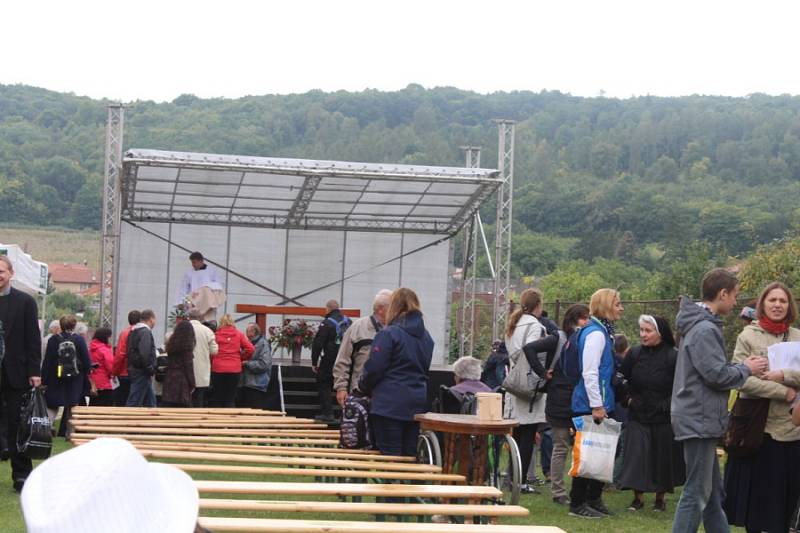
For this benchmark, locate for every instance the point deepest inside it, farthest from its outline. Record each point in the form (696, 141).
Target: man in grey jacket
(699, 408)
(355, 347)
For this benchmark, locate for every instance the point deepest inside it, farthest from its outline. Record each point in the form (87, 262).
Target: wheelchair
(504, 466)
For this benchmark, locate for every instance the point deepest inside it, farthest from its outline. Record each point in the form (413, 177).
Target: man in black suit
(21, 366)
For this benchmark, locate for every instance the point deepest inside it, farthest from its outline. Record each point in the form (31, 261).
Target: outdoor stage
(291, 232)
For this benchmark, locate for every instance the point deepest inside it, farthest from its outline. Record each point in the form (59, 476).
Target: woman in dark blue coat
(65, 391)
(396, 375)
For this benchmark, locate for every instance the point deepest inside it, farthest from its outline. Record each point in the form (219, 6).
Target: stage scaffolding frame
(505, 201)
(297, 194)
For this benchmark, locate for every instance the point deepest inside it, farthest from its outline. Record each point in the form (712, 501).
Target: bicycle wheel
(425, 454)
(505, 467)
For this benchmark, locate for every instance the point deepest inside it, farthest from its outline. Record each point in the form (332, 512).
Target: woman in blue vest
(594, 393)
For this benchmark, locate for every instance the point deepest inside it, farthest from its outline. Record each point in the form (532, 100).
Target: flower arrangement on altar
(178, 313)
(293, 333)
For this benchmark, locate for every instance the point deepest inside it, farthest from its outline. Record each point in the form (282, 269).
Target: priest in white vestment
(202, 288)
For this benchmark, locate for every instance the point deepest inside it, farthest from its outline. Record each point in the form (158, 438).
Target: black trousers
(223, 389)
(121, 392)
(252, 398)
(585, 490)
(104, 398)
(525, 435)
(21, 466)
(200, 397)
(325, 387)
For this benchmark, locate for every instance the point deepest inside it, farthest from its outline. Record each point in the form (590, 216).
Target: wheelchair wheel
(425, 454)
(505, 468)
(433, 438)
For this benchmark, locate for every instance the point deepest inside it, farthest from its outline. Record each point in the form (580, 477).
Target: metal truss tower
(111, 213)
(468, 271)
(502, 243)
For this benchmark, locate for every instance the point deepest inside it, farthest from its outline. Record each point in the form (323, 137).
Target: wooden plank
(156, 410)
(267, 441)
(231, 423)
(201, 417)
(364, 507)
(309, 433)
(267, 450)
(261, 525)
(323, 472)
(299, 462)
(389, 490)
(292, 310)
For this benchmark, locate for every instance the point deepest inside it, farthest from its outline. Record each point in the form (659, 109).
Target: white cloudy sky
(145, 49)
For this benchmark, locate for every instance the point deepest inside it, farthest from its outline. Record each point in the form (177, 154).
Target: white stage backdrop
(291, 262)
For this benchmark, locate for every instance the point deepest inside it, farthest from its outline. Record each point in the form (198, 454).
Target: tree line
(644, 191)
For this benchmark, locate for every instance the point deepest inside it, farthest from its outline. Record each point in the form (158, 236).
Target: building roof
(72, 273)
(229, 190)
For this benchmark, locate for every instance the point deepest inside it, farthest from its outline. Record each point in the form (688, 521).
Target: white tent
(29, 275)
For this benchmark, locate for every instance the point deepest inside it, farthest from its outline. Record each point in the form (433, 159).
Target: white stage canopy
(227, 190)
(290, 231)
(29, 275)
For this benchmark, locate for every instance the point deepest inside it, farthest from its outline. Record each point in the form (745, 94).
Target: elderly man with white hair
(53, 329)
(355, 347)
(467, 371)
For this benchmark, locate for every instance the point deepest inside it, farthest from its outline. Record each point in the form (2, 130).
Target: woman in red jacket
(226, 365)
(102, 361)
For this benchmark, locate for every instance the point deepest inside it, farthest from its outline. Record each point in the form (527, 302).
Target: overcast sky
(148, 50)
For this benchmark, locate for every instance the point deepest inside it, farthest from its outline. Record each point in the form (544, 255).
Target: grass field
(543, 510)
(55, 245)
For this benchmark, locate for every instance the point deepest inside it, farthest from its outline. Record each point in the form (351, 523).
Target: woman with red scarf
(763, 489)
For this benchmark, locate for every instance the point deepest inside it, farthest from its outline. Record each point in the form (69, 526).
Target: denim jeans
(141, 393)
(702, 493)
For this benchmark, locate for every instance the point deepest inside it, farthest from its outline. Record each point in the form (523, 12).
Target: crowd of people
(672, 396)
(672, 392)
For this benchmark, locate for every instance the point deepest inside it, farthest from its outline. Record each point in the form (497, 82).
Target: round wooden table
(457, 431)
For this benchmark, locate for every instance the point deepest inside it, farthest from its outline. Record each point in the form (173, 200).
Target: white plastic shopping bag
(595, 448)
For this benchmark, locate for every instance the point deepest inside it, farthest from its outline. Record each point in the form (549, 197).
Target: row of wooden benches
(244, 443)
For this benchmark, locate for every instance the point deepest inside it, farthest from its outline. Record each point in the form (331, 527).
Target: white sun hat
(106, 485)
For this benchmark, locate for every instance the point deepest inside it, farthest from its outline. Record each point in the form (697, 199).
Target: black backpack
(354, 429)
(341, 326)
(136, 358)
(67, 358)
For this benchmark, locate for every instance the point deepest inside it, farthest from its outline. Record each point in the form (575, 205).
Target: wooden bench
(267, 441)
(141, 411)
(192, 418)
(329, 453)
(300, 462)
(393, 490)
(302, 433)
(339, 474)
(259, 525)
(233, 422)
(415, 509)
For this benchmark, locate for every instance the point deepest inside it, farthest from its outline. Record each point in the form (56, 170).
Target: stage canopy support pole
(502, 244)
(468, 270)
(109, 247)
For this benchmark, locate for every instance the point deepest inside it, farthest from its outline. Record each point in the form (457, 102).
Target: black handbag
(35, 437)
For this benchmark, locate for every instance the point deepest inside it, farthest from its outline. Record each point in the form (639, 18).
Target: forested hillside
(645, 191)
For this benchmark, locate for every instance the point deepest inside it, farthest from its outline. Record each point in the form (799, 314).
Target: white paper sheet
(784, 356)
